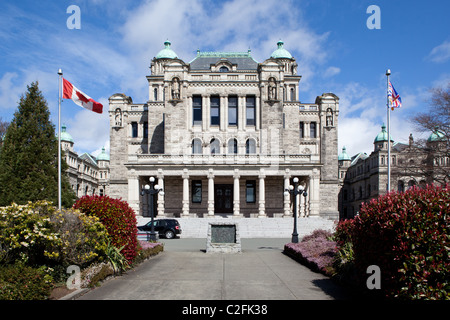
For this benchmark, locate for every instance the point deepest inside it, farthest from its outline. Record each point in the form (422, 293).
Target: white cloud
(331, 71)
(89, 130)
(441, 53)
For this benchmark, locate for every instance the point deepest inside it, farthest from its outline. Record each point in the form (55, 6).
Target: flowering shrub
(37, 234)
(316, 250)
(148, 249)
(84, 238)
(118, 218)
(26, 234)
(407, 236)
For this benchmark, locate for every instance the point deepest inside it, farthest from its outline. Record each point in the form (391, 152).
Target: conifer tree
(29, 155)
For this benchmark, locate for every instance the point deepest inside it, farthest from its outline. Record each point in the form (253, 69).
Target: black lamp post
(295, 190)
(151, 190)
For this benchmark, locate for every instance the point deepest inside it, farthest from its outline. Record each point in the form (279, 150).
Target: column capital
(160, 174)
(236, 174)
(185, 174)
(210, 174)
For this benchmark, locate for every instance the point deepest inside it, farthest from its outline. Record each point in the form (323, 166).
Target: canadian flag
(80, 98)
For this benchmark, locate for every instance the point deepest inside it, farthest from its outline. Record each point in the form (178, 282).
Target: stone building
(225, 135)
(364, 177)
(88, 175)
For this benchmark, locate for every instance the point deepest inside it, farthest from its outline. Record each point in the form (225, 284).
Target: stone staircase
(253, 227)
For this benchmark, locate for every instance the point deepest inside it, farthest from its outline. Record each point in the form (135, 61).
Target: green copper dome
(435, 136)
(344, 155)
(166, 53)
(382, 136)
(281, 52)
(65, 136)
(103, 156)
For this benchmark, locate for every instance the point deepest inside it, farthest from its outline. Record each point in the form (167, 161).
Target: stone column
(236, 193)
(205, 113)
(185, 209)
(287, 198)
(210, 193)
(314, 194)
(257, 112)
(223, 113)
(134, 193)
(262, 198)
(241, 113)
(160, 177)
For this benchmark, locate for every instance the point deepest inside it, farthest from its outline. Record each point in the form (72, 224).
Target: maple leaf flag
(80, 98)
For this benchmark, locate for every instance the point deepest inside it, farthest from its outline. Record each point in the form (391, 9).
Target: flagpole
(388, 73)
(59, 137)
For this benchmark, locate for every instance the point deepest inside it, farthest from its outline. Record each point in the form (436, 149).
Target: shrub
(84, 238)
(27, 234)
(407, 236)
(148, 249)
(21, 282)
(316, 251)
(37, 234)
(118, 218)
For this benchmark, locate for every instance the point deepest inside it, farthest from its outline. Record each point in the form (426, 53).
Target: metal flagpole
(59, 137)
(388, 72)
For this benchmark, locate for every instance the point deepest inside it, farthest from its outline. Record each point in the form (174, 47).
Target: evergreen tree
(29, 157)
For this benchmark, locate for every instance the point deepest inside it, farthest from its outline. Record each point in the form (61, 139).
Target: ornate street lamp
(295, 190)
(151, 190)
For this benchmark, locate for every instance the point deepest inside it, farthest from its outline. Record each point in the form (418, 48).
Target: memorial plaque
(223, 233)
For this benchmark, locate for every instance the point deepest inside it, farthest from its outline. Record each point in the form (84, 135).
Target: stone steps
(253, 227)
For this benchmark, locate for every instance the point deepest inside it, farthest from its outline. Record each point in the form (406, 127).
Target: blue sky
(334, 49)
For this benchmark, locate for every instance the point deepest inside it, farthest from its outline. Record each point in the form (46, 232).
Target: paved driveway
(184, 271)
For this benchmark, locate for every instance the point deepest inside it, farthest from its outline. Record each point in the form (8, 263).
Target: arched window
(232, 146)
(155, 94)
(215, 146)
(411, 183)
(292, 94)
(223, 69)
(250, 146)
(196, 146)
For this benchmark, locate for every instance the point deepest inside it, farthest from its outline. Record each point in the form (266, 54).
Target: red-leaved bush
(406, 235)
(118, 218)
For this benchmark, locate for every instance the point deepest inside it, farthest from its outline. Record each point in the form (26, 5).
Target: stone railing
(224, 159)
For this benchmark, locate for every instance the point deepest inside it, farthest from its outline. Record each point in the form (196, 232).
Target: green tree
(29, 157)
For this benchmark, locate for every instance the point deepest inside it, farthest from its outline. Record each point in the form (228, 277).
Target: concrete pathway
(184, 271)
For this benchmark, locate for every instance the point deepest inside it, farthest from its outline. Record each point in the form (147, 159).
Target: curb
(75, 294)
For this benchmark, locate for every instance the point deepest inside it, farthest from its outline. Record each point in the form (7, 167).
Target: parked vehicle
(168, 228)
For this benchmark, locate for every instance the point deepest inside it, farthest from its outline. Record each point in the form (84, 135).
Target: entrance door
(223, 198)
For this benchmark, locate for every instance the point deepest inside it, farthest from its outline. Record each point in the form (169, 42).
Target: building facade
(364, 177)
(88, 175)
(225, 135)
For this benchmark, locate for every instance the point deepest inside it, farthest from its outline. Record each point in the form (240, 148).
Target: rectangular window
(197, 110)
(146, 129)
(232, 111)
(196, 191)
(302, 129)
(312, 130)
(250, 110)
(215, 110)
(250, 192)
(134, 129)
